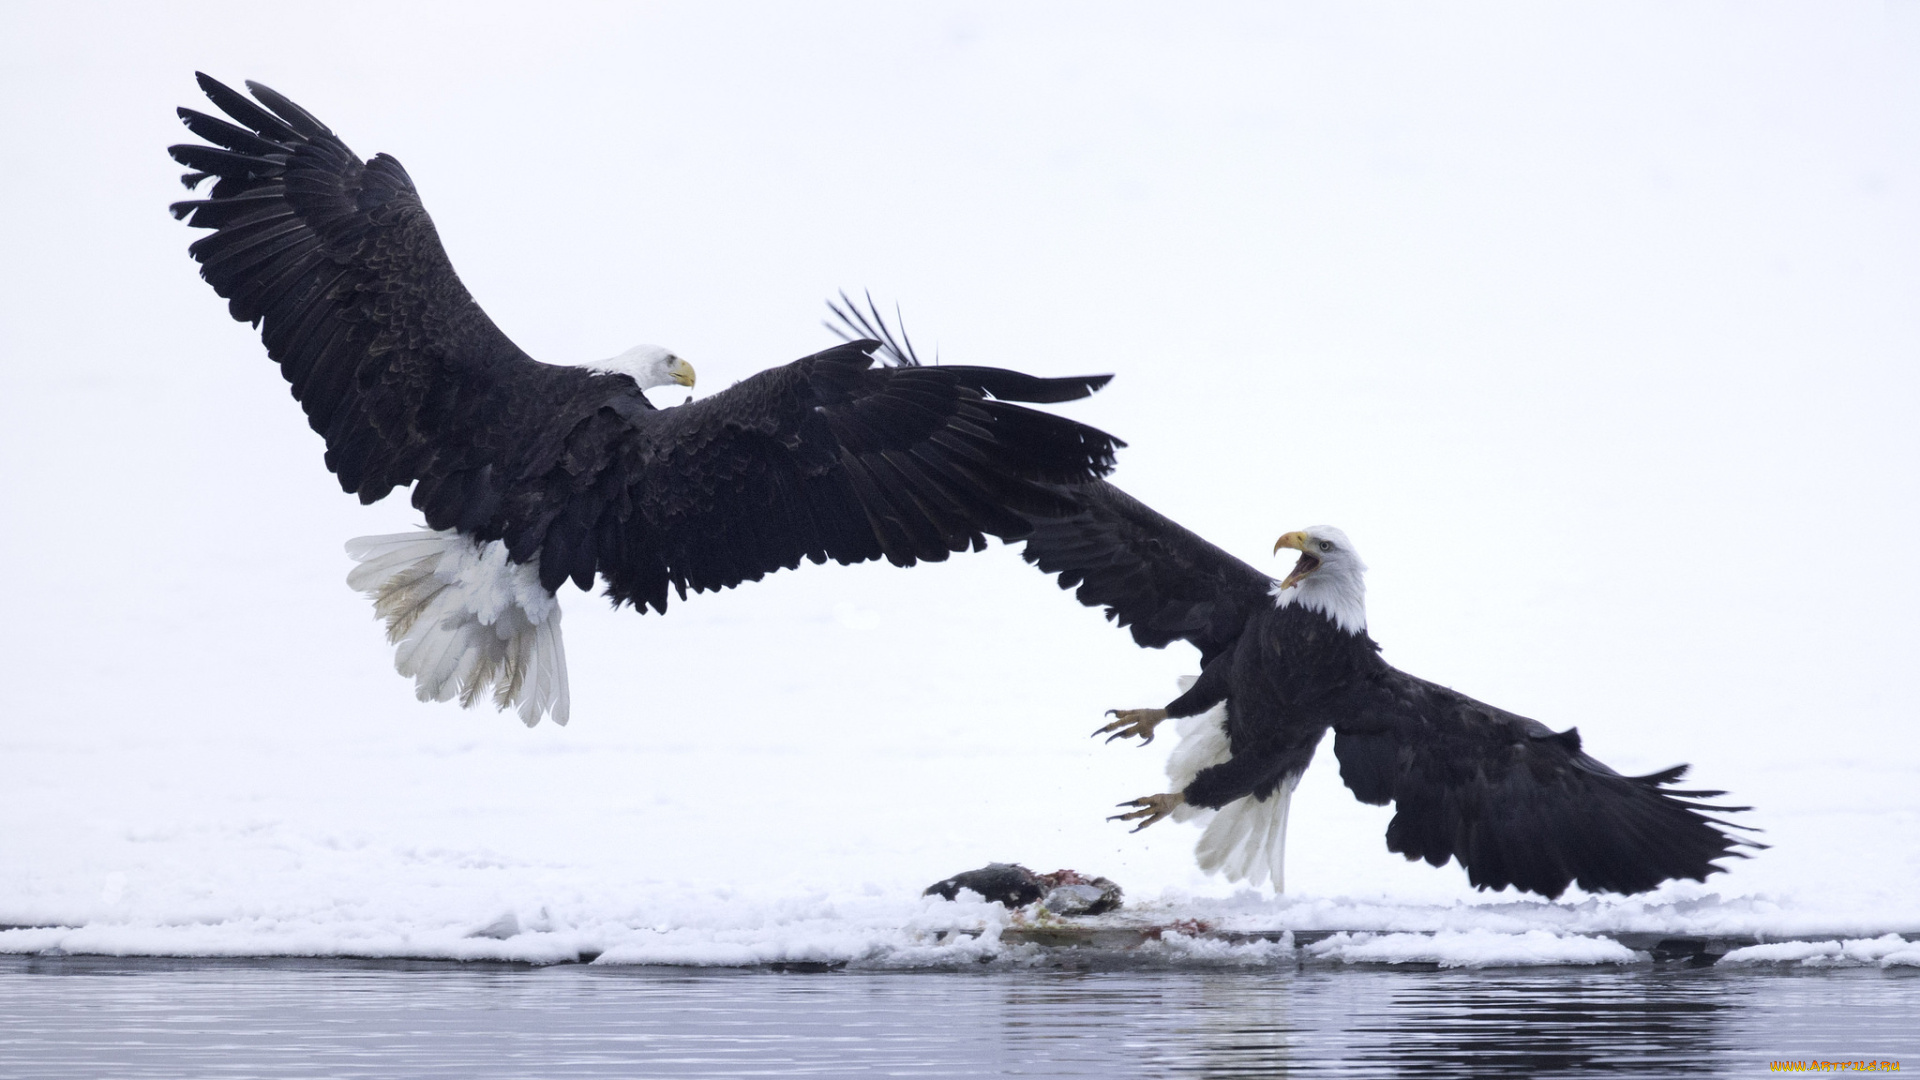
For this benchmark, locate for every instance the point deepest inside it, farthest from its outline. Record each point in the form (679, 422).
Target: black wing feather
(296, 117)
(410, 383)
(1149, 573)
(1515, 802)
(849, 323)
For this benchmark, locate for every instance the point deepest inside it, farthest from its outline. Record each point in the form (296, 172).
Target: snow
(1472, 948)
(1887, 950)
(681, 926)
(1593, 326)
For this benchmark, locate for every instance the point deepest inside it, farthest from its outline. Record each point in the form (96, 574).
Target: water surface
(92, 1017)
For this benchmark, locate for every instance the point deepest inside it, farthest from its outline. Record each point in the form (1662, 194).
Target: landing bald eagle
(1283, 661)
(530, 474)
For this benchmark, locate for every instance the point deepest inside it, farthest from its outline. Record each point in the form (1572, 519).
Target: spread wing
(409, 382)
(1516, 803)
(1151, 574)
(833, 458)
(337, 263)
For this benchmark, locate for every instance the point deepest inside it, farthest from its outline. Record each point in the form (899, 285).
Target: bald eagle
(531, 474)
(1512, 801)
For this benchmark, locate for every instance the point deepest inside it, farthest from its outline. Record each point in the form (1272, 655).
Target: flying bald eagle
(530, 474)
(1283, 661)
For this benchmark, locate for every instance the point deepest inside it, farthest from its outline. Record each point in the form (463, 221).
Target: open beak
(1309, 562)
(680, 371)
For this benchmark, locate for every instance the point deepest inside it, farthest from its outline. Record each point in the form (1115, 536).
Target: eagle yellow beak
(680, 371)
(1309, 562)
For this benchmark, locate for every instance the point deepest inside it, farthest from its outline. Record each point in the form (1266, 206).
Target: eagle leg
(1151, 809)
(1132, 722)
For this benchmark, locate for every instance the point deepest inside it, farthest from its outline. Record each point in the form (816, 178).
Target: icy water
(89, 1017)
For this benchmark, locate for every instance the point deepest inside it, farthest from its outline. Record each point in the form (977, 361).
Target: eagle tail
(466, 620)
(1246, 840)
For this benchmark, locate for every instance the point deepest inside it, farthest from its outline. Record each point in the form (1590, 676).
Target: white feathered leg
(1246, 839)
(466, 620)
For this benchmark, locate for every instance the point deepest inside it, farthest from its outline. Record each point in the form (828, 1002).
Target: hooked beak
(1309, 562)
(680, 371)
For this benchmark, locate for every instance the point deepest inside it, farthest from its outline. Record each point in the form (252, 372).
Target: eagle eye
(1326, 545)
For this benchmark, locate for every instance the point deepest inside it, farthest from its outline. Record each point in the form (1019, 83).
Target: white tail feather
(1245, 839)
(466, 620)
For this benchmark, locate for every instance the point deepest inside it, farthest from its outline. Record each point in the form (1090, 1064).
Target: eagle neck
(1341, 598)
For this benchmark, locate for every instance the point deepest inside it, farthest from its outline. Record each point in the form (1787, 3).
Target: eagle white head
(1329, 578)
(648, 365)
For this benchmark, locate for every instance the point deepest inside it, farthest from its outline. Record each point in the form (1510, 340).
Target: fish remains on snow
(1063, 892)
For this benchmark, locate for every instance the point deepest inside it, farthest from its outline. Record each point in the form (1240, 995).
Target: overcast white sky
(1595, 327)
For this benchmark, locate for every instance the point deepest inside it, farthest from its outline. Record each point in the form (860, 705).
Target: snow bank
(881, 929)
(1678, 909)
(721, 932)
(1888, 950)
(1472, 948)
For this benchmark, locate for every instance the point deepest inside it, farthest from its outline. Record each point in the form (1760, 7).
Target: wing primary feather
(1018, 386)
(296, 117)
(220, 162)
(233, 137)
(236, 105)
(854, 325)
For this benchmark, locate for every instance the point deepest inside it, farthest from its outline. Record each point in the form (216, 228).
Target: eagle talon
(1140, 722)
(1151, 809)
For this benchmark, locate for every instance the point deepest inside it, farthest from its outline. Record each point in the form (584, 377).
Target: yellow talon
(1151, 808)
(1140, 722)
